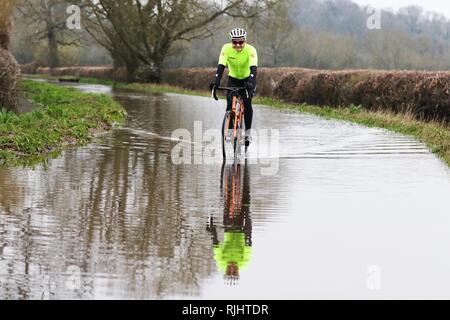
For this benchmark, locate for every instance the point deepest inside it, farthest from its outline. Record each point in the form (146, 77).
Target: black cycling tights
(248, 109)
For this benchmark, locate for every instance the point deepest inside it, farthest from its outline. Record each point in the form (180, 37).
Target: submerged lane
(352, 212)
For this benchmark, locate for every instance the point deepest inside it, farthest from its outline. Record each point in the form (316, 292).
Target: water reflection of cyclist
(234, 253)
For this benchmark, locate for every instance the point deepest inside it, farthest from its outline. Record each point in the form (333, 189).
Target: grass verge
(64, 117)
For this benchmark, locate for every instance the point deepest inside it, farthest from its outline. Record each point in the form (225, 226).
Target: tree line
(330, 34)
(138, 35)
(333, 34)
(146, 36)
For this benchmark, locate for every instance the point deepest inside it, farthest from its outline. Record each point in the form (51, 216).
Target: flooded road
(351, 212)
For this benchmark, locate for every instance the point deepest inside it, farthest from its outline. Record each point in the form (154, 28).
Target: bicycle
(233, 119)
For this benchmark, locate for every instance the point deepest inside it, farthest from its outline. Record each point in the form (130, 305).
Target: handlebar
(232, 89)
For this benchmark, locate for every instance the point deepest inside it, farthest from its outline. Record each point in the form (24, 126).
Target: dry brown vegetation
(9, 75)
(9, 71)
(426, 95)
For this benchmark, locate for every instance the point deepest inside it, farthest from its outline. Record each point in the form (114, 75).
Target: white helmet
(238, 33)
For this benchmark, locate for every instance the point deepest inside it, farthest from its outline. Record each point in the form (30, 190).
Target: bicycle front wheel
(227, 123)
(240, 136)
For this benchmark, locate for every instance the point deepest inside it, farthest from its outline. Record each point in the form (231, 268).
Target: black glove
(249, 86)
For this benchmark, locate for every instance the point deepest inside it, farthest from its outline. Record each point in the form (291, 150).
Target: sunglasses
(237, 42)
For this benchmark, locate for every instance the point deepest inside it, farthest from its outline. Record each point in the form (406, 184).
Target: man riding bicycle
(242, 61)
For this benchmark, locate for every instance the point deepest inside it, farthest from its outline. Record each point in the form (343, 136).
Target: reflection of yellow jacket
(233, 249)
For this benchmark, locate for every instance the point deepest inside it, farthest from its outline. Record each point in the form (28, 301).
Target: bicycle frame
(238, 110)
(238, 113)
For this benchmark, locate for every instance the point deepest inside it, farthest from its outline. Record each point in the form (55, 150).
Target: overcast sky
(440, 6)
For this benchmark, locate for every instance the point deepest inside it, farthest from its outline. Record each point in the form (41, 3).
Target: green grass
(434, 134)
(64, 117)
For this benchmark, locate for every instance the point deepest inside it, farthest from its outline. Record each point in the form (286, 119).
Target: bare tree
(102, 31)
(274, 28)
(144, 31)
(49, 17)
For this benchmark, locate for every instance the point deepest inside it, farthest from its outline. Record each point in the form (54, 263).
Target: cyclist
(241, 59)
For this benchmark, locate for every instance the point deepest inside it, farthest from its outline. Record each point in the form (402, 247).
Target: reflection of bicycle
(234, 253)
(233, 126)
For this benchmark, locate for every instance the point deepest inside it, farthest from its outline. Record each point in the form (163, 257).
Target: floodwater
(345, 212)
